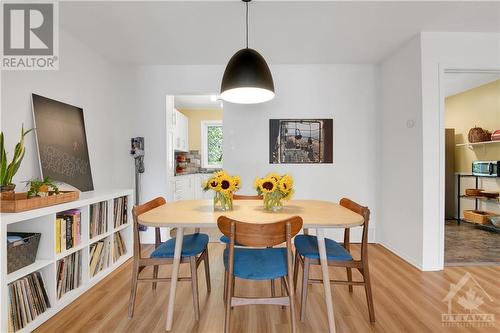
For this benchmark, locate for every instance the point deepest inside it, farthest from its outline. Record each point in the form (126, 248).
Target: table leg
(175, 274)
(326, 279)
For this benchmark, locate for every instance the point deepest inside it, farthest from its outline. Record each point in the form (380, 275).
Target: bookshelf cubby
(43, 221)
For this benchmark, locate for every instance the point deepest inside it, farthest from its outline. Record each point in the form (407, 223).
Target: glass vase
(222, 203)
(273, 201)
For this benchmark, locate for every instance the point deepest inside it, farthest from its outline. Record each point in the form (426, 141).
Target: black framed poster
(62, 142)
(300, 141)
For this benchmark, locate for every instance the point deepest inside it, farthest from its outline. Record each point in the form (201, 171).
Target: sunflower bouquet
(274, 189)
(224, 187)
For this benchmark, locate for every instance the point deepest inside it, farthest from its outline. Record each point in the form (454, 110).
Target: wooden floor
(406, 300)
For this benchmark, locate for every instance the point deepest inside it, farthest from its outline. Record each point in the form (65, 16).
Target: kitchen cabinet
(181, 132)
(199, 194)
(188, 187)
(184, 187)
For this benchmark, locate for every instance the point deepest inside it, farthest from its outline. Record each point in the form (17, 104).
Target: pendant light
(247, 78)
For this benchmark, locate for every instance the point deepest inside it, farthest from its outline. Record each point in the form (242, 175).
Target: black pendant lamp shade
(247, 78)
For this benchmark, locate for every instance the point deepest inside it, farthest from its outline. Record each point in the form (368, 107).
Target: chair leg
(207, 271)
(291, 295)
(296, 271)
(225, 284)
(133, 289)
(368, 291)
(283, 290)
(227, 318)
(155, 275)
(194, 282)
(305, 283)
(349, 277)
(273, 289)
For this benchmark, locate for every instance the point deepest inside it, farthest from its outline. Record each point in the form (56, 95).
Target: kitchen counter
(203, 172)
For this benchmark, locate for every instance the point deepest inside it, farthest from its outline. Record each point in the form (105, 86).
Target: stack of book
(27, 300)
(68, 230)
(119, 248)
(69, 273)
(98, 219)
(120, 211)
(99, 256)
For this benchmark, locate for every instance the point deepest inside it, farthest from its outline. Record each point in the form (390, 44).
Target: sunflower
(285, 184)
(204, 185)
(274, 176)
(268, 185)
(219, 174)
(214, 183)
(257, 182)
(236, 182)
(288, 195)
(226, 184)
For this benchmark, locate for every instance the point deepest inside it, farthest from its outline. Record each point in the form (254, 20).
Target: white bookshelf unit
(43, 221)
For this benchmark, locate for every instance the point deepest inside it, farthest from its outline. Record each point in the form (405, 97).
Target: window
(212, 143)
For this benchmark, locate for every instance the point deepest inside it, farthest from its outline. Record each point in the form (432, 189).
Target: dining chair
(194, 251)
(263, 262)
(225, 240)
(306, 248)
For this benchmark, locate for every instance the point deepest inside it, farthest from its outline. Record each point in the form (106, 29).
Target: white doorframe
(443, 69)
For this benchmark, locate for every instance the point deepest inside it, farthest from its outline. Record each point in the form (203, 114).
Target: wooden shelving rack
(43, 221)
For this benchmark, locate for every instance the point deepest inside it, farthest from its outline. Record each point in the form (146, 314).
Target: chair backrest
(363, 211)
(247, 197)
(259, 235)
(141, 209)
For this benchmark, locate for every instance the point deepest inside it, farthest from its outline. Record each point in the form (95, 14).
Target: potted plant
(274, 188)
(224, 186)
(42, 188)
(8, 171)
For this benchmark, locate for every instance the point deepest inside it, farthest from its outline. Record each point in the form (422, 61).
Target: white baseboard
(403, 256)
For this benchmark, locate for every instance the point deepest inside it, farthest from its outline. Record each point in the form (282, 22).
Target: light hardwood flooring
(406, 300)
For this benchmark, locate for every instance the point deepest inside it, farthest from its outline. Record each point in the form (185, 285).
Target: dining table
(316, 214)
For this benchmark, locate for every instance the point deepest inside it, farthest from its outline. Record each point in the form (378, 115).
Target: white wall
(411, 221)
(441, 51)
(87, 80)
(400, 190)
(345, 93)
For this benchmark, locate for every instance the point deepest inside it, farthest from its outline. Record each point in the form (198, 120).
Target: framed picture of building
(300, 141)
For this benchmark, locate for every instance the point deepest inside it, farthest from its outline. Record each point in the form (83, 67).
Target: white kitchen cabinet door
(184, 187)
(181, 132)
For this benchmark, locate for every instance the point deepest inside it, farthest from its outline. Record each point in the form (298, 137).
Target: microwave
(486, 168)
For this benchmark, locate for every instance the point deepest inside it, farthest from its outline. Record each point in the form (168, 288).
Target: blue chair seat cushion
(258, 264)
(307, 246)
(224, 239)
(192, 245)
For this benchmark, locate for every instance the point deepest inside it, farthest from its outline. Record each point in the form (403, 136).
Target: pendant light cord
(247, 23)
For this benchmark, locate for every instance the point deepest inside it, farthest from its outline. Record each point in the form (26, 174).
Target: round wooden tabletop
(200, 213)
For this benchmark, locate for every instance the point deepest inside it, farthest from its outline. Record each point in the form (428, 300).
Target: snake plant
(7, 171)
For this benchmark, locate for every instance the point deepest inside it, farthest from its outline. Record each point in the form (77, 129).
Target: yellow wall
(476, 107)
(195, 117)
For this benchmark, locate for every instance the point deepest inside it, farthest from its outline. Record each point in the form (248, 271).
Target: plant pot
(273, 201)
(222, 203)
(7, 192)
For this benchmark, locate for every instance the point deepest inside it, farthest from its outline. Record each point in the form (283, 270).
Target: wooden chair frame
(259, 235)
(139, 263)
(361, 265)
(273, 285)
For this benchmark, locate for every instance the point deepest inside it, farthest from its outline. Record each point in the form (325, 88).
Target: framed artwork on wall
(300, 141)
(62, 142)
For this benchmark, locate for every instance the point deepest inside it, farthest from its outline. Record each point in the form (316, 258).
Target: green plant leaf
(3, 160)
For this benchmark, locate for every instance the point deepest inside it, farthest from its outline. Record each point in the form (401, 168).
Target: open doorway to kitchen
(472, 159)
(198, 134)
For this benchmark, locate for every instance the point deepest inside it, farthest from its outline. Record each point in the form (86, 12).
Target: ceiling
(455, 83)
(209, 32)
(197, 102)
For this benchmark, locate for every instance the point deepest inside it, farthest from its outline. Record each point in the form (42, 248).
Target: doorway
(471, 116)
